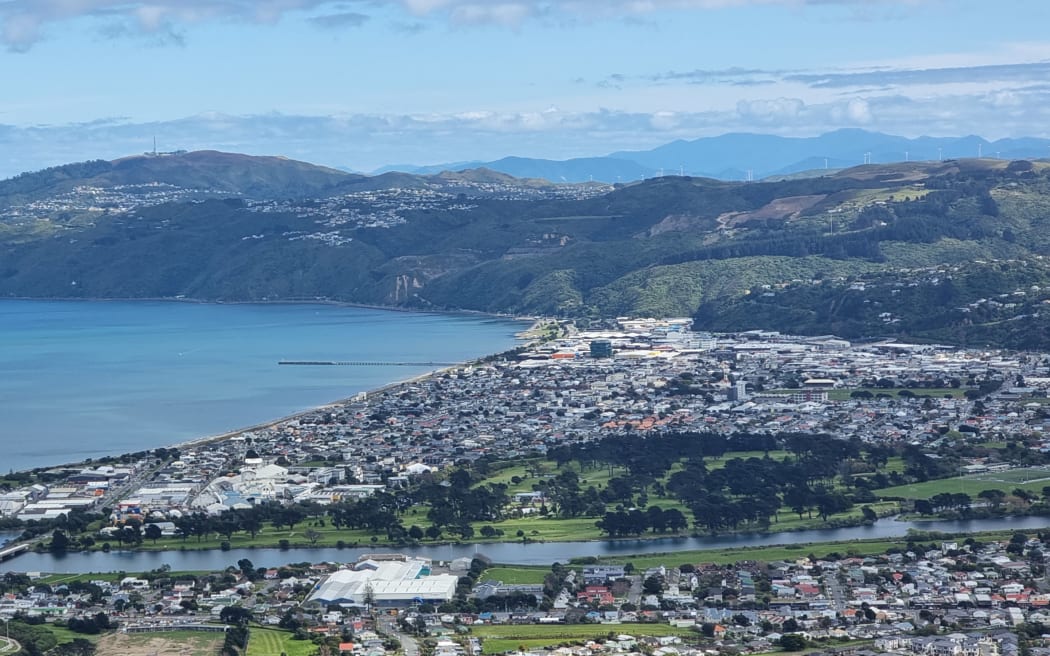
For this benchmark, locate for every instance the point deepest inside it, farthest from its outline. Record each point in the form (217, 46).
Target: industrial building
(388, 582)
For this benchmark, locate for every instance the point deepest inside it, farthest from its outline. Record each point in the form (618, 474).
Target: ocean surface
(82, 379)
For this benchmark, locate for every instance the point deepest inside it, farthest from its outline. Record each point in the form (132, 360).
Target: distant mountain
(582, 169)
(736, 156)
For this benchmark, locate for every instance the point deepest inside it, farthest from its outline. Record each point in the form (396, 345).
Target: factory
(385, 581)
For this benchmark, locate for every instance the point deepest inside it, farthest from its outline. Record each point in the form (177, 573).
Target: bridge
(11, 552)
(362, 363)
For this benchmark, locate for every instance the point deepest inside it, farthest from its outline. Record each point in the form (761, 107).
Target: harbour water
(82, 379)
(542, 553)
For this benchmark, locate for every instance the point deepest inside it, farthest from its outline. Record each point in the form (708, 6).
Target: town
(633, 379)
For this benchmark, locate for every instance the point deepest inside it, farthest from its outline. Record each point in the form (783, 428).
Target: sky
(361, 84)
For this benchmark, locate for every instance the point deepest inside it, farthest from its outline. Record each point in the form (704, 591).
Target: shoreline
(304, 301)
(521, 337)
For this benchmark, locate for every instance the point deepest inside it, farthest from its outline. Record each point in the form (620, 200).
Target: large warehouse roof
(389, 582)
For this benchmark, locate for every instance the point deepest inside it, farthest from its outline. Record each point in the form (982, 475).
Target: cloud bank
(367, 141)
(24, 22)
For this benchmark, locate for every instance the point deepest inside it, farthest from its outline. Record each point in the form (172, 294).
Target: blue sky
(363, 83)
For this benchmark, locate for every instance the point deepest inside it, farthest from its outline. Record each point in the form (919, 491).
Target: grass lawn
(1031, 480)
(935, 392)
(516, 575)
(777, 552)
(501, 638)
(62, 634)
(112, 577)
(272, 642)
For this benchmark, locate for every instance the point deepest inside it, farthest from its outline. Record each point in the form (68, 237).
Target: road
(634, 595)
(835, 590)
(9, 646)
(388, 626)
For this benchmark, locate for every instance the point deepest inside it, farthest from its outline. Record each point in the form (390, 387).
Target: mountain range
(952, 250)
(740, 156)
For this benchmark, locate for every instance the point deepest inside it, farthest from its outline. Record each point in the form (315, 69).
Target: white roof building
(389, 583)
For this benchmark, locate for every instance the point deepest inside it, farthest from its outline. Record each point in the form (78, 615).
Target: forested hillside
(947, 251)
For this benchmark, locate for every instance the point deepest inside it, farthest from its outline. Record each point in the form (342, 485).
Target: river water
(81, 379)
(541, 553)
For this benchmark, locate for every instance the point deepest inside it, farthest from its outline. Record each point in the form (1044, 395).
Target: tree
(235, 615)
(246, 566)
(652, 585)
(59, 542)
(993, 497)
(792, 642)
(415, 532)
(153, 532)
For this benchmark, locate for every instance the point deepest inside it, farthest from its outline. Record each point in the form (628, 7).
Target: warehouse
(389, 583)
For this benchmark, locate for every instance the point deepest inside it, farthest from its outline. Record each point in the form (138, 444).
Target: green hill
(948, 251)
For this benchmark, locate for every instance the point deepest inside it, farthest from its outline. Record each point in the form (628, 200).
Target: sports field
(497, 639)
(169, 643)
(274, 642)
(1030, 479)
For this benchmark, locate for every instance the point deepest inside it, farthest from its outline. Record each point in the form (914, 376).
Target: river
(539, 553)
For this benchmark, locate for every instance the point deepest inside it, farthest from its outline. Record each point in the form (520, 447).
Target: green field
(1029, 479)
(935, 392)
(516, 575)
(765, 554)
(63, 635)
(274, 642)
(497, 639)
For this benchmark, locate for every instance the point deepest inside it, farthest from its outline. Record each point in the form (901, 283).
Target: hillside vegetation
(950, 251)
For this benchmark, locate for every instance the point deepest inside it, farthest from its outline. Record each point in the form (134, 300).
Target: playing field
(1031, 479)
(171, 643)
(274, 642)
(497, 639)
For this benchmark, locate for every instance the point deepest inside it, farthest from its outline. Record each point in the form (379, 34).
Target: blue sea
(82, 379)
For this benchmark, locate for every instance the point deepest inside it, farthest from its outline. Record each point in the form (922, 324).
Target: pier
(359, 363)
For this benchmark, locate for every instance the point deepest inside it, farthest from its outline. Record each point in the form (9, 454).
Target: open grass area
(516, 575)
(497, 639)
(1029, 479)
(63, 635)
(167, 643)
(274, 642)
(935, 392)
(766, 554)
(112, 577)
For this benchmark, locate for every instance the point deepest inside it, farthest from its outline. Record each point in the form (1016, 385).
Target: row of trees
(636, 522)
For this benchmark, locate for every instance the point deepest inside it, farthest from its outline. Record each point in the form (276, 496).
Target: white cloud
(23, 22)
(367, 141)
(858, 111)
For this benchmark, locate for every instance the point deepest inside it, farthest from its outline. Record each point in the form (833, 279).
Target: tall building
(601, 348)
(738, 392)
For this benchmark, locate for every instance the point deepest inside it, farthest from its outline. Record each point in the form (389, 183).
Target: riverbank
(797, 544)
